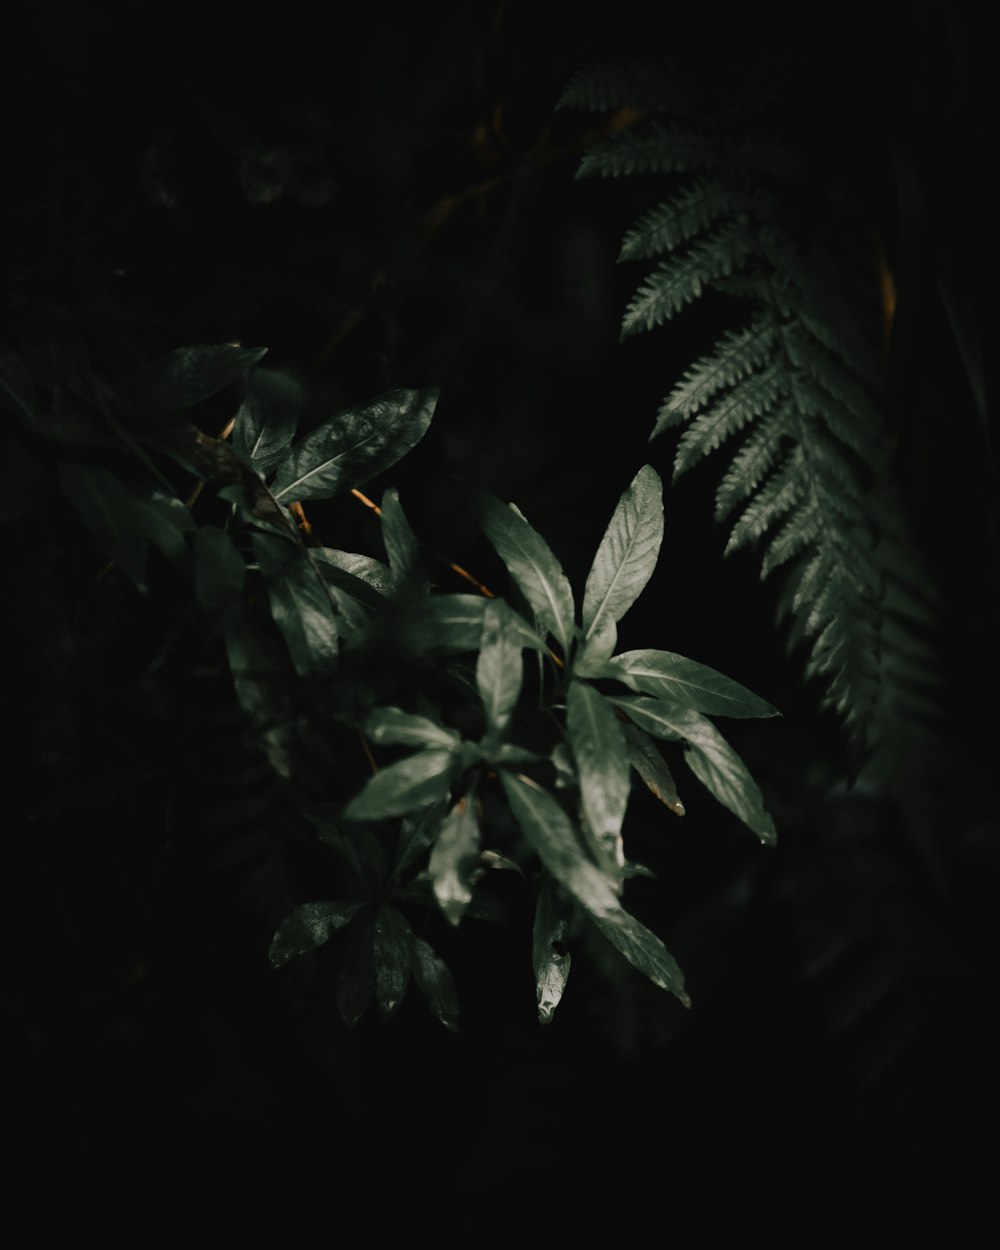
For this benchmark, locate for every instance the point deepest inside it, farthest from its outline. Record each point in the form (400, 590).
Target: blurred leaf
(267, 418)
(401, 545)
(499, 669)
(17, 390)
(644, 950)
(416, 833)
(709, 756)
(355, 445)
(549, 957)
(300, 604)
(553, 837)
(109, 512)
(687, 683)
(405, 786)
(164, 520)
(308, 927)
(626, 556)
(532, 565)
(449, 623)
(602, 764)
(219, 571)
(392, 726)
(436, 983)
(454, 857)
(186, 376)
(652, 767)
(260, 678)
(393, 957)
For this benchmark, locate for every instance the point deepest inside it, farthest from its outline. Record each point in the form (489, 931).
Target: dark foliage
(211, 639)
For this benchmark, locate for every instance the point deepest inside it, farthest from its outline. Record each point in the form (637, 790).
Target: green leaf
(109, 512)
(187, 376)
(416, 833)
(164, 520)
(644, 950)
(499, 669)
(267, 418)
(652, 767)
(549, 957)
(405, 786)
(687, 683)
(709, 756)
(627, 555)
(435, 982)
(17, 389)
(532, 566)
(355, 445)
(508, 755)
(454, 858)
(299, 603)
(553, 837)
(392, 726)
(260, 678)
(219, 571)
(602, 764)
(308, 927)
(393, 957)
(401, 546)
(378, 577)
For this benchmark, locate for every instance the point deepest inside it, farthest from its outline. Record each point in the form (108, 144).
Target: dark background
(390, 200)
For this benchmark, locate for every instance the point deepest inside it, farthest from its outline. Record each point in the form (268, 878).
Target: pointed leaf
(549, 957)
(532, 566)
(267, 418)
(355, 445)
(260, 679)
(709, 756)
(687, 683)
(219, 571)
(627, 554)
(435, 982)
(454, 859)
(299, 603)
(602, 763)
(109, 512)
(164, 520)
(393, 957)
(405, 786)
(187, 376)
(499, 669)
(652, 767)
(392, 726)
(401, 546)
(644, 950)
(553, 837)
(377, 576)
(308, 927)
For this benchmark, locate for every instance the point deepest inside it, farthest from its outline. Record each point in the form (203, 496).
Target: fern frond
(779, 493)
(678, 221)
(802, 529)
(647, 86)
(736, 355)
(750, 398)
(754, 460)
(652, 149)
(681, 279)
(798, 381)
